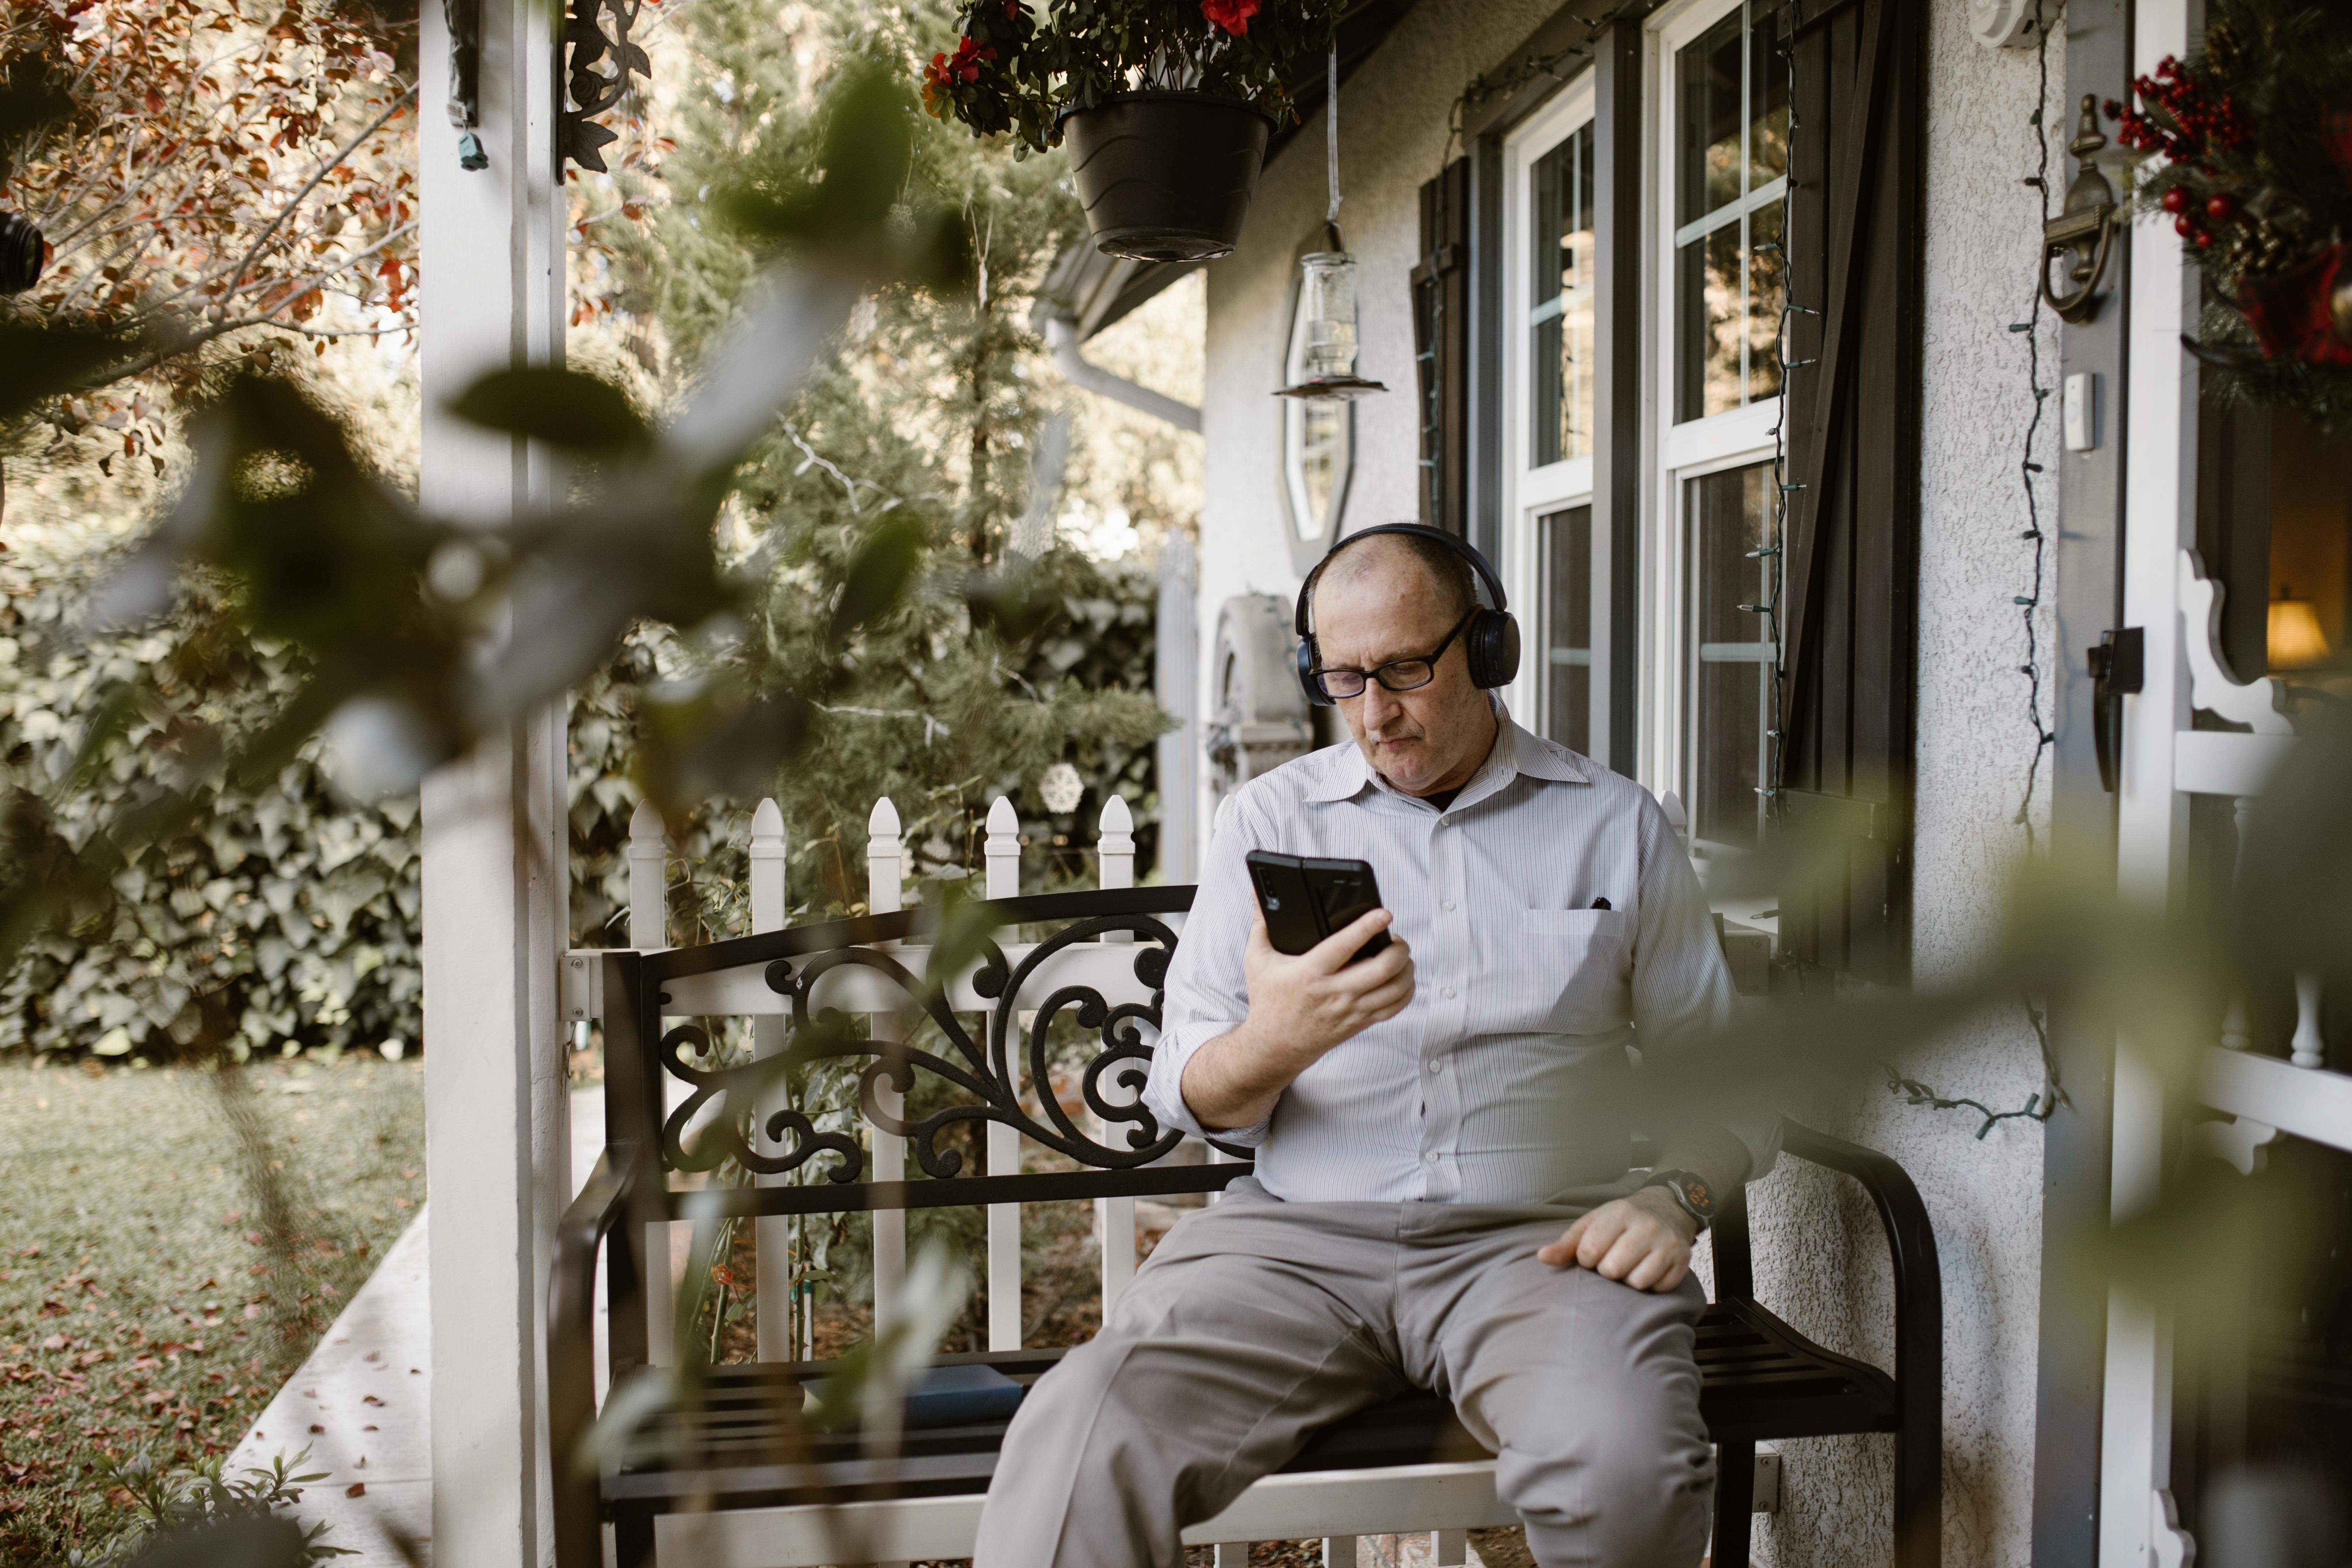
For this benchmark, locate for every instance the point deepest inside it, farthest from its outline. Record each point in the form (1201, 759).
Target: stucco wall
(1819, 1260)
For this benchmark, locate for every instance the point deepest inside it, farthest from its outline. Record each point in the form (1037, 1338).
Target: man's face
(1386, 606)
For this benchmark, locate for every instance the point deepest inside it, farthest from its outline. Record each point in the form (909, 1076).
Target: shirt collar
(1515, 752)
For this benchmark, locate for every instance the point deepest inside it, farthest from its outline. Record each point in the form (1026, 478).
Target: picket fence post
(772, 1235)
(1003, 854)
(885, 871)
(1115, 1218)
(649, 933)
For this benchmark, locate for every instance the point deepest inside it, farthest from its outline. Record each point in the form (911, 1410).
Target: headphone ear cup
(1315, 698)
(1494, 649)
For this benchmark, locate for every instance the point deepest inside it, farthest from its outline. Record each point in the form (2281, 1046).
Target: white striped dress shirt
(1526, 992)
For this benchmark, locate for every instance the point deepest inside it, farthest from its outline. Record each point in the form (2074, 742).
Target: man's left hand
(1644, 1241)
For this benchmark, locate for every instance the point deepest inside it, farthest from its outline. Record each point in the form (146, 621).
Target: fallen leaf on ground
(357, 1489)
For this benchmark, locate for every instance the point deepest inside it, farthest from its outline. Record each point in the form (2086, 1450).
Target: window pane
(1709, 324)
(1765, 268)
(1709, 78)
(1567, 628)
(1561, 295)
(1768, 96)
(1731, 667)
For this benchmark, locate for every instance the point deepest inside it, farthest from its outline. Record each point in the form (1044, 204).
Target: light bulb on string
(1327, 285)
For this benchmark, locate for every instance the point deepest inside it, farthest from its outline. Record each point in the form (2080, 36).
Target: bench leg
(1449, 1548)
(1918, 1500)
(1339, 1552)
(1233, 1554)
(1735, 1500)
(633, 1544)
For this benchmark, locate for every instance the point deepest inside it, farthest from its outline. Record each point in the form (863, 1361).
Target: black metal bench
(734, 1448)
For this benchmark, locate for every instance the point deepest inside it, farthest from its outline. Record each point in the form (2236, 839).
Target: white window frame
(1531, 493)
(1683, 451)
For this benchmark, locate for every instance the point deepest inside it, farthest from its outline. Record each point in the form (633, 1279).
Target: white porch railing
(2264, 1095)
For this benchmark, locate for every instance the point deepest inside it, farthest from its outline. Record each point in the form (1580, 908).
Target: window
(1730, 117)
(1318, 446)
(1567, 673)
(1552, 558)
(1560, 316)
(1730, 665)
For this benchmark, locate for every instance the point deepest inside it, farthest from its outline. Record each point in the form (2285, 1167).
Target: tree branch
(398, 101)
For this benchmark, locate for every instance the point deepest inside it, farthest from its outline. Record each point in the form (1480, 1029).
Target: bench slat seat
(1761, 1379)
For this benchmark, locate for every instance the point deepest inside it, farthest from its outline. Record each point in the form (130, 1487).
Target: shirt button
(1449, 906)
(1447, 993)
(1436, 1067)
(1430, 1157)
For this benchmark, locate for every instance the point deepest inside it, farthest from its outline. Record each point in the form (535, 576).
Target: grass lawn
(142, 1302)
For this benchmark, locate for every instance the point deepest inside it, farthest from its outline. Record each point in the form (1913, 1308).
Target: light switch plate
(2081, 406)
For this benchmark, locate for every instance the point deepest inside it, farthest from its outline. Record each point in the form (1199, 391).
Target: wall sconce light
(2083, 233)
(2295, 640)
(21, 249)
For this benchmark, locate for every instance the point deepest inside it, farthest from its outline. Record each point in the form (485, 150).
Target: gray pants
(1257, 1321)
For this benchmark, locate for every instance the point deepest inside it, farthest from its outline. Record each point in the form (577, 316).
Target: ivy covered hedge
(302, 905)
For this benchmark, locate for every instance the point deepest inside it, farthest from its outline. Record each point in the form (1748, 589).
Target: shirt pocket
(1573, 977)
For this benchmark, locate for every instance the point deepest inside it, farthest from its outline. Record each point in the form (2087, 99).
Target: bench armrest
(1918, 1296)
(602, 1203)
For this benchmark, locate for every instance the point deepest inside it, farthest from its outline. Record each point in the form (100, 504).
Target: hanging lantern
(1328, 286)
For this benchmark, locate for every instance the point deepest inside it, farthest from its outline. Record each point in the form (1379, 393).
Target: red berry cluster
(2179, 118)
(2199, 222)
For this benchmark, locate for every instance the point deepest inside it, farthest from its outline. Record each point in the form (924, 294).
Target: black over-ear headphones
(1491, 640)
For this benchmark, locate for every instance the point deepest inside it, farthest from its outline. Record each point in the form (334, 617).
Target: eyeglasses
(1397, 675)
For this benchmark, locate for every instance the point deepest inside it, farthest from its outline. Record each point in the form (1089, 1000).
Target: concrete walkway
(362, 1403)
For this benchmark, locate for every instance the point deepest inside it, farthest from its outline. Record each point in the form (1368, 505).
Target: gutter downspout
(1062, 340)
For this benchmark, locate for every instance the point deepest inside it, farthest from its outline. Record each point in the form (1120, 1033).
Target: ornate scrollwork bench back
(1104, 967)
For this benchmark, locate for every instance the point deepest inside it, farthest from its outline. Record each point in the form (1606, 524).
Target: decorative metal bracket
(2083, 233)
(2259, 702)
(590, 90)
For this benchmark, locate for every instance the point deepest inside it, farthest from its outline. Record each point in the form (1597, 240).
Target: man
(1437, 1201)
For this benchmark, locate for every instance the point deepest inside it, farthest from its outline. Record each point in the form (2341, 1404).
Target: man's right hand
(1299, 1007)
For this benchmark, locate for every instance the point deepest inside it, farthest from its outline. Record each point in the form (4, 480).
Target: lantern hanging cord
(1332, 139)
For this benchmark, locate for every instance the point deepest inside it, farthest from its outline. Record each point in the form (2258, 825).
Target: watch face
(1698, 1193)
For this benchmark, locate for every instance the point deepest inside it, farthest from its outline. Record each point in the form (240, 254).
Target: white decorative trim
(2169, 1546)
(2211, 687)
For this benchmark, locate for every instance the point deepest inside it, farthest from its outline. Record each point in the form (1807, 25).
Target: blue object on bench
(961, 1396)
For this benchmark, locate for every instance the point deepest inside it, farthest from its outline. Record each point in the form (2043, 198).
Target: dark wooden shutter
(1441, 346)
(1852, 432)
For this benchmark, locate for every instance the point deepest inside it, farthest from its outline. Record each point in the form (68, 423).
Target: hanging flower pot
(1166, 177)
(1166, 109)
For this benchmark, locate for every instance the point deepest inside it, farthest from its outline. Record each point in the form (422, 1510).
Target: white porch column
(495, 871)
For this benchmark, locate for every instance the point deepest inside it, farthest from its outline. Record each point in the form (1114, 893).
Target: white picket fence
(788, 1335)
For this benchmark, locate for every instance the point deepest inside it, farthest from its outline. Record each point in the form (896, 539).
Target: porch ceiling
(1094, 291)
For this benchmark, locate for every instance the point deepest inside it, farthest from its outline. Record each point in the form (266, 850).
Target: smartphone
(1305, 899)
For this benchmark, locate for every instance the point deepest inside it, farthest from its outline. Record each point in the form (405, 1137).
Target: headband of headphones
(1457, 544)
(1491, 637)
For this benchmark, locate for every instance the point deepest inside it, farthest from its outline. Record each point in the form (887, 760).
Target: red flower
(1232, 16)
(941, 75)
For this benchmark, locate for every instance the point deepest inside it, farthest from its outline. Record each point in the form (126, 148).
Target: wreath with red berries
(1013, 72)
(2251, 145)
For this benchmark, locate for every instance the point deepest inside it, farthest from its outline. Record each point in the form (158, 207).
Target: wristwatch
(1691, 1194)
